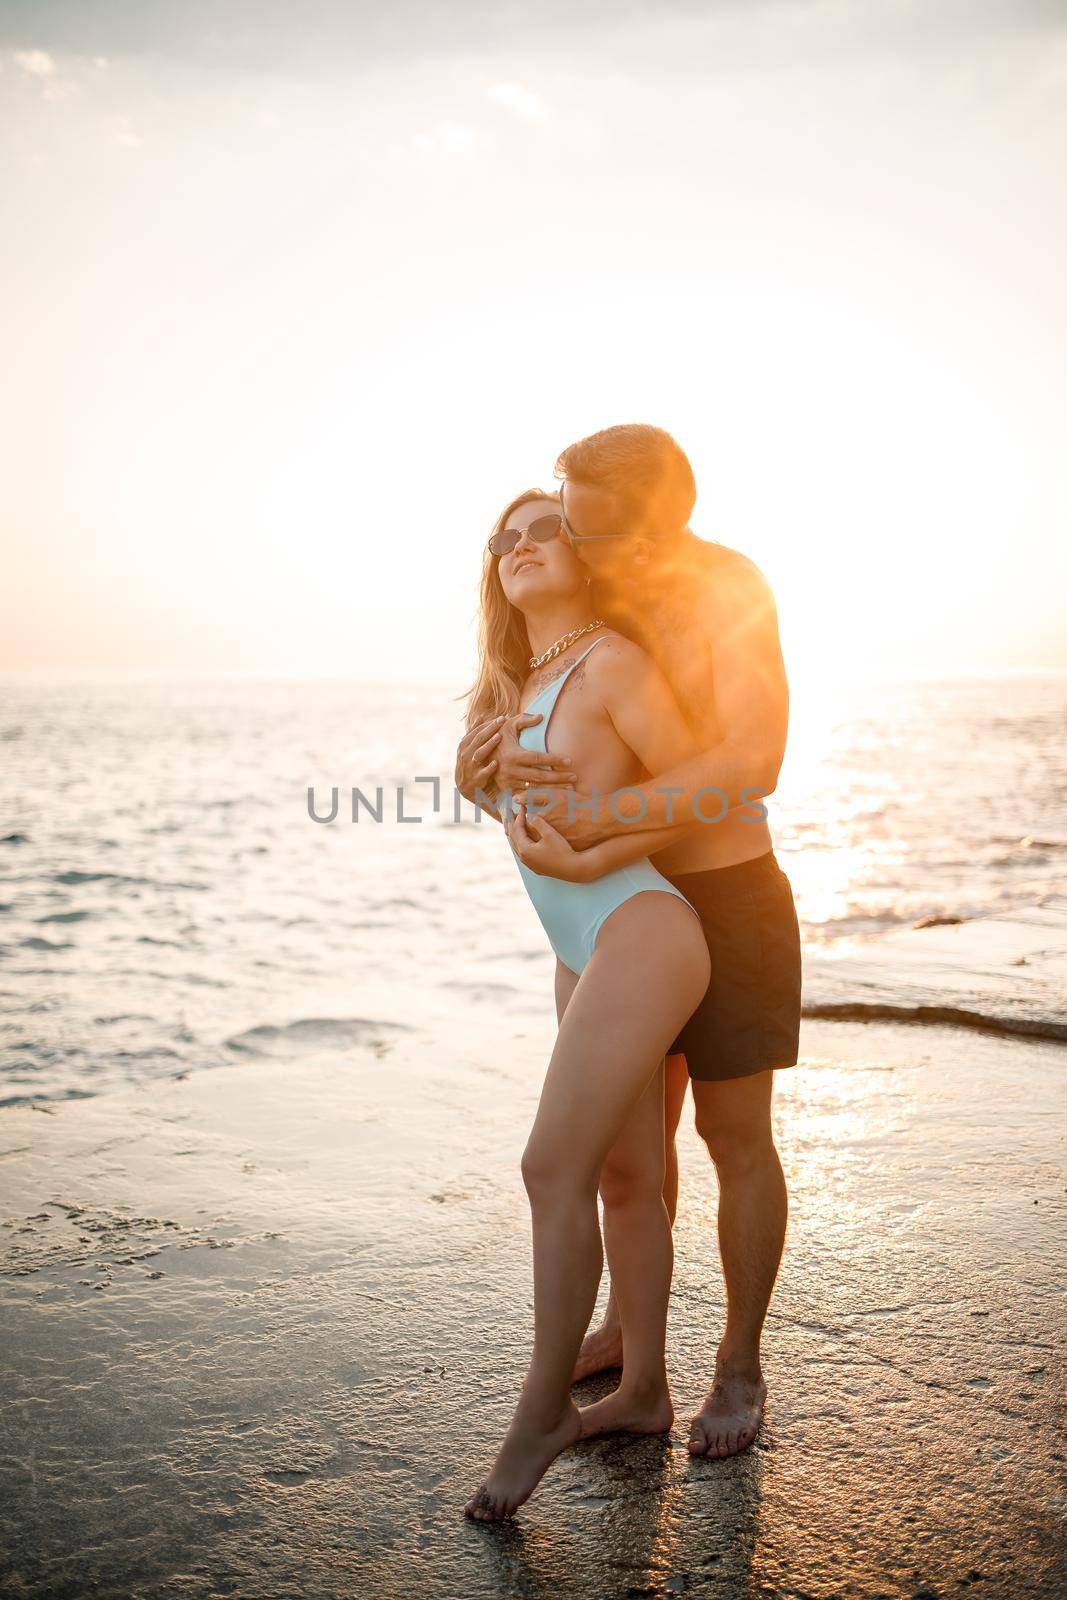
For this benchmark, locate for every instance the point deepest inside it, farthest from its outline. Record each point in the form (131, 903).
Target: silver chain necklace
(561, 644)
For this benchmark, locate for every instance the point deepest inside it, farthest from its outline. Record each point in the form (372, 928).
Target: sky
(294, 298)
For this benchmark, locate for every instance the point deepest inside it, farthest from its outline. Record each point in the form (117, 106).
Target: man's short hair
(644, 466)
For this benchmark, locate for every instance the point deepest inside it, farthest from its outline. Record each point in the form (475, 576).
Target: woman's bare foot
(525, 1456)
(601, 1351)
(729, 1419)
(630, 1409)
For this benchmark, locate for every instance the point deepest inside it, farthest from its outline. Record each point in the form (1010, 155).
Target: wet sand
(263, 1327)
(1002, 974)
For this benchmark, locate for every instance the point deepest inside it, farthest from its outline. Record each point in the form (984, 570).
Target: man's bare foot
(729, 1419)
(524, 1458)
(601, 1352)
(630, 1409)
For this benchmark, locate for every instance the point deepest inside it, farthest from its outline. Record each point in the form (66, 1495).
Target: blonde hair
(503, 645)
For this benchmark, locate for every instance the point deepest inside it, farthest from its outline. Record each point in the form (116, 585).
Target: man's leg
(675, 1084)
(602, 1349)
(733, 1117)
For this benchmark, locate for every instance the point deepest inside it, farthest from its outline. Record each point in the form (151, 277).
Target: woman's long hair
(503, 645)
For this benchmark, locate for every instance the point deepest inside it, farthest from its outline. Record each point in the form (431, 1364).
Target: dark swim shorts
(749, 1018)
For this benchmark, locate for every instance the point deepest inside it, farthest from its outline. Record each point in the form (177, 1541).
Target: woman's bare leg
(646, 976)
(640, 1251)
(602, 1349)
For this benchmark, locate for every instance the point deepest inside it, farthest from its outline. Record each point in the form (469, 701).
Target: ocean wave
(72, 878)
(1030, 1027)
(314, 1034)
(154, 1052)
(488, 991)
(869, 920)
(939, 831)
(1030, 841)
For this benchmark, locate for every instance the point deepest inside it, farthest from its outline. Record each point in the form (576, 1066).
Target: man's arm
(641, 706)
(738, 615)
(752, 709)
(544, 850)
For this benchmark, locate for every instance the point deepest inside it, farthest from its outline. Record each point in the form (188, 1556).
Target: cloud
(524, 102)
(447, 140)
(35, 63)
(40, 68)
(330, 38)
(124, 133)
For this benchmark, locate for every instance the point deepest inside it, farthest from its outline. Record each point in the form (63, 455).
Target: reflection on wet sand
(625, 1484)
(263, 1328)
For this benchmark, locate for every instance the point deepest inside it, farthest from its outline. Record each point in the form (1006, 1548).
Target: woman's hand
(518, 768)
(475, 758)
(491, 753)
(543, 849)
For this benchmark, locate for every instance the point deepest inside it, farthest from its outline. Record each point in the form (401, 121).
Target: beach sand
(263, 1328)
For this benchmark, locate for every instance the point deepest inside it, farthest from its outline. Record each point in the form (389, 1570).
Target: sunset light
(533, 799)
(333, 309)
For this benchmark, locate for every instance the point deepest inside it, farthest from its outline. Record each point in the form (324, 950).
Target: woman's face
(533, 574)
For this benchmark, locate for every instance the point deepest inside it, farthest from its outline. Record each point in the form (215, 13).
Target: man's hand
(580, 818)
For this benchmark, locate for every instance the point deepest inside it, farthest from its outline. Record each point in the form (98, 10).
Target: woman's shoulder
(616, 646)
(619, 658)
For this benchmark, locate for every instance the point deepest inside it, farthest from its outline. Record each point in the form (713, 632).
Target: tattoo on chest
(550, 674)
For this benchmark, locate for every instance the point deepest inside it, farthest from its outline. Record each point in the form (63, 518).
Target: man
(706, 614)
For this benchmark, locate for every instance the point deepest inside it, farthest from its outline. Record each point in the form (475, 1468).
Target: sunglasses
(542, 529)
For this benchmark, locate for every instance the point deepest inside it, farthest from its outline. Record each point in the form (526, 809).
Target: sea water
(167, 902)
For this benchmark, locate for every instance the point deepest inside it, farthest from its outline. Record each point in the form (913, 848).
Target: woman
(632, 965)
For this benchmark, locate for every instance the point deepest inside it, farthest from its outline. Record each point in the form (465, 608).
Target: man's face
(596, 511)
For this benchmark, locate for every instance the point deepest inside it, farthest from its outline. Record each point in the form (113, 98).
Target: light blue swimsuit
(572, 914)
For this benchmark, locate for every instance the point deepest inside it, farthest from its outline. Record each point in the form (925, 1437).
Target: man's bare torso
(671, 624)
